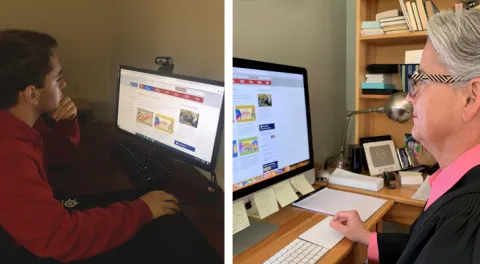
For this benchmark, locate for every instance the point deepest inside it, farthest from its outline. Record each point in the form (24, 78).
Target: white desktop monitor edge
(309, 176)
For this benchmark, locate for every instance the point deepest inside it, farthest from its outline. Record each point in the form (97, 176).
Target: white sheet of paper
(240, 218)
(322, 234)
(285, 193)
(423, 191)
(265, 202)
(301, 184)
(329, 201)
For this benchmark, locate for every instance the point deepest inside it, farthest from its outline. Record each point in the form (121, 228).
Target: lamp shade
(397, 108)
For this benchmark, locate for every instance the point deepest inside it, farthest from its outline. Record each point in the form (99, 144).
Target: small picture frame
(412, 158)
(405, 160)
(381, 157)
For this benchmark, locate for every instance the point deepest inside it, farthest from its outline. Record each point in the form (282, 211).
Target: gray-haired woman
(445, 94)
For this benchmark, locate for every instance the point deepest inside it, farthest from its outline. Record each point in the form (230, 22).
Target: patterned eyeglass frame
(439, 78)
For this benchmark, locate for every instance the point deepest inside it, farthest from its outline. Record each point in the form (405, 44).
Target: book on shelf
(401, 31)
(411, 16)
(395, 27)
(378, 78)
(406, 70)
(370, 28)
(380, 91)
(370, 25)
(422, 13)
(379, 75)
(417, 16)
(371, 32)
(388, 14)
(377, 85)
(390, 19)
(413, 56)
(417, 13)
(382, 68)
(405, 14)
(393, 23)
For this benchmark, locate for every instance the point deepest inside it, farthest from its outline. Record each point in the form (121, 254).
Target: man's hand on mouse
(161, 203)
(66, 110)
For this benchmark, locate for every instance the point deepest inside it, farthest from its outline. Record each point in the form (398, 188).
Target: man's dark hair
(24, 60)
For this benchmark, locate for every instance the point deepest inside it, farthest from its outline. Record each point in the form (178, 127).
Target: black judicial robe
(447, 232)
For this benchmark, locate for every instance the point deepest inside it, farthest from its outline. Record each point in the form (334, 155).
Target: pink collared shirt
(440, 182)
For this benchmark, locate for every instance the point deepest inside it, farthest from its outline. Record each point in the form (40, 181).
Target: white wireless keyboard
(350, 179)
(310, 246)
(299, 251)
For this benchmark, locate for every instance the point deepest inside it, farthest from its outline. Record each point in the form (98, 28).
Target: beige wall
(190, 31)
(306, 33)
(84, 32)
(351, 11)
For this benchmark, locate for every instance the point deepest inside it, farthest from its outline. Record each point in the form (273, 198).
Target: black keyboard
(138, 164)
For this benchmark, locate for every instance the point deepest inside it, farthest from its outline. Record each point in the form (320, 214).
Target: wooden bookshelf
(374, 96)
(383, 49)
(419, 37)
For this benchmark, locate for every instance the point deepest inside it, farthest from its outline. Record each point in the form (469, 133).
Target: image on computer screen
(270, 129)
(178, 113)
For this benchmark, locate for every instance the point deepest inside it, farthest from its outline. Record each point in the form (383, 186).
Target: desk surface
(95, 171)
(405, 210)
(401, 194)
(293, 222)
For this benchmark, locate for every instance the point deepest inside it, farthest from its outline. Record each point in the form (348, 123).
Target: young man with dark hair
(39, 129)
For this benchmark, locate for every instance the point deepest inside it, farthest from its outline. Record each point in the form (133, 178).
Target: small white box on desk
(354, 180)
(410, 178)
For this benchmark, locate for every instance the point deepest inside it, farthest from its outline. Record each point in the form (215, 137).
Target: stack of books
(371, 28)
(379, 79)
(392, 21)
(394, 25)
(417, 13)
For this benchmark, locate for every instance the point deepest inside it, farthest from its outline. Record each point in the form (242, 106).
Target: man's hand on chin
(66, 110)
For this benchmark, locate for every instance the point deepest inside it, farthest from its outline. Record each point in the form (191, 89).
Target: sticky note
(240, 218)
(301, 184)
(284, 193)
(265, 202)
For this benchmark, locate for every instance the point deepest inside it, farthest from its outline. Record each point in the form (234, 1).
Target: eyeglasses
(416, 80)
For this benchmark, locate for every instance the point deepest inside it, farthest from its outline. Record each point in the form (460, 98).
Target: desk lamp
(397, 109)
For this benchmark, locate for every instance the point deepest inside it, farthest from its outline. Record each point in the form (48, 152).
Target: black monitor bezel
(177, 154)
(268, 66)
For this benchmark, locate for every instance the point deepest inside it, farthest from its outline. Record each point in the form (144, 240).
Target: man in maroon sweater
(30, 91)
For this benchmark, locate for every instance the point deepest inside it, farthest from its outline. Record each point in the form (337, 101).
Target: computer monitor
(181, 114)
(272, 138)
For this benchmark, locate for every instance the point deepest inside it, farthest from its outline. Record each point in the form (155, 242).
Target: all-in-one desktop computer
(272, 138)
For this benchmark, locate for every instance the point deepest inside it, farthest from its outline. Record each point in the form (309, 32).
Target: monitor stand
(248, 237)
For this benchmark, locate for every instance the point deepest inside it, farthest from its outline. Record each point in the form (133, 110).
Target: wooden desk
(405, 210)
(293, 222)
(96, 171)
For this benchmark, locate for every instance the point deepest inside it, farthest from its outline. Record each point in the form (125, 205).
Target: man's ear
(471, 100)
(31, 95)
